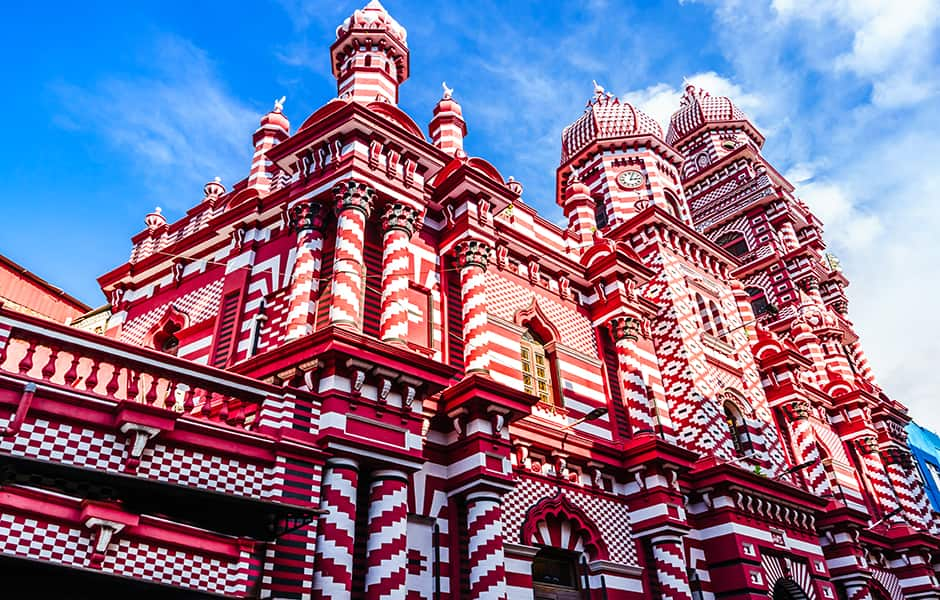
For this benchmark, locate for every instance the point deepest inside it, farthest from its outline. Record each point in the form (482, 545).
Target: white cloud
(661, 100)
(893, 43)
(178, 126)
(858, 138)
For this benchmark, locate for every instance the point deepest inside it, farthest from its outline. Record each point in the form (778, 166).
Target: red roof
(24, 291)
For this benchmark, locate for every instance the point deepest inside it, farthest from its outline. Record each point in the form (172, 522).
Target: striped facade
(372, 371)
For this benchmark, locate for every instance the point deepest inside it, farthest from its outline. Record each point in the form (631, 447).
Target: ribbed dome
(373, 16)
(606, 117)
(698, 108)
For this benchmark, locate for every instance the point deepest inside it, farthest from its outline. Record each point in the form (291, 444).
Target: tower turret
(620, 156)
(274, 128)
(706, 128)
(448, 127)
(370, 56)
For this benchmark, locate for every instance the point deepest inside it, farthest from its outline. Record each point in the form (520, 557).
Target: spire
(370, 56)
(448, 128)
(274, 128)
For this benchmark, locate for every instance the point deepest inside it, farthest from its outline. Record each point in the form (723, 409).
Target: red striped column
(353, 207)
(788, 236)
(861, 363)
(333, 561)
(306, 218)
(387, 546)
(473, 257)
(804, 446)
(669, 556)
(399, 223)
(448, 127)
(485, 556)
(899, 464)
(579, 209)
(867, 449)
(626, 333)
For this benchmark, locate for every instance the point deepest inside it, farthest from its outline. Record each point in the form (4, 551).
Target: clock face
(630, 179)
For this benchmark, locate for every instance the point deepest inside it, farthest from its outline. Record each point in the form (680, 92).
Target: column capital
(341, 462)
(797, 410)
(625, 328)
(352, 194)
(402, 217)
(385, 474)
(306, 216)
(897, 456)
(472, 253)
(810, 284)
(866, 444)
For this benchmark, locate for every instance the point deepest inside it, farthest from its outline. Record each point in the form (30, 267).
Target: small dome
(606, 117)
(697, 109)
(373, 16)
(276, 118)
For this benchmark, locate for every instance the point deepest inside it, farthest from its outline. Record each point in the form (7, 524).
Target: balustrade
(61, 357)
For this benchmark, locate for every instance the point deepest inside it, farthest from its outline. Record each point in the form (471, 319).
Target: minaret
(370, 56)
(274, 128)
(448, 127)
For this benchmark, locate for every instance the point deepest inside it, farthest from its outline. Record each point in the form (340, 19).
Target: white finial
(217, 180)
(158, 210)
(279, 104)
(448, 91)
(598, 89)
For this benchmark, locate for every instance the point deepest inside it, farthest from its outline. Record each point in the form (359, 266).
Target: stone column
(867, 448)
(485, 549)
(387, 545)
(306, 218)
(399, 224)
(861, 363)
(788, 235)
(333, 562)
(669, 556)
(473, 257)
(353, 207)
(803, 438)
(626, 333)
(900, 467)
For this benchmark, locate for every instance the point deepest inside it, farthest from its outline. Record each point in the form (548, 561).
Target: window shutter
(225, 336)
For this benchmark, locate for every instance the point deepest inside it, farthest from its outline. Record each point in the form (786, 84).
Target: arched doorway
(567, 540)
(556, 575)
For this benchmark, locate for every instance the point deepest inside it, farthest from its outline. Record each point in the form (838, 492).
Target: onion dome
(374, 17)
(276, 117)
(606, 117)
(155, 220)
(698, 108)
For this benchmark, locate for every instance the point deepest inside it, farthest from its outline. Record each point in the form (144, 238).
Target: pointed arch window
(716, 319)
(672, 205)
(733, 242)
(536, 368)
(703, 313)
(737, 428)
(600, 212)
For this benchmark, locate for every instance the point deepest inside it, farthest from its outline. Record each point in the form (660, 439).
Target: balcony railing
(67, 358)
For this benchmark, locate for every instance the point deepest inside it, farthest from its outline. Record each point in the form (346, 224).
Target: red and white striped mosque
(372, 371)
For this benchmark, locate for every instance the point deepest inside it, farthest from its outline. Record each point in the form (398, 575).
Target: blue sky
(114, 108)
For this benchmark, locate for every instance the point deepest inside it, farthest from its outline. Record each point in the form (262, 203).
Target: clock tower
(619, 153)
